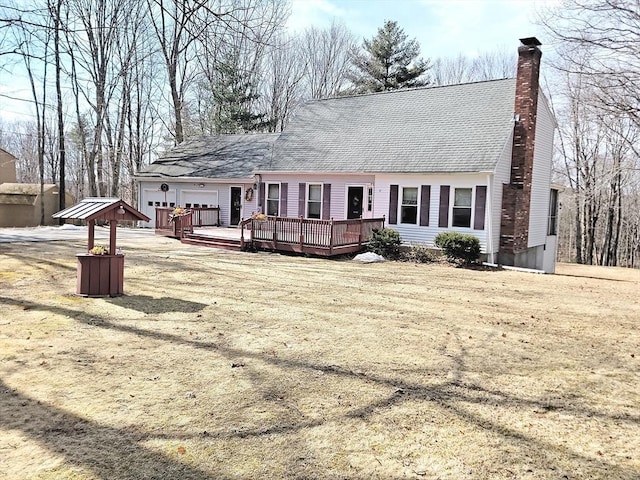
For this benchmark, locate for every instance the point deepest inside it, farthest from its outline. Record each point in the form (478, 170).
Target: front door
(236, 205)
(354, 202)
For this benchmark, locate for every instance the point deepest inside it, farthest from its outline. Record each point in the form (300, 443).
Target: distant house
(7, 167)
(474, 158)
(22, 204)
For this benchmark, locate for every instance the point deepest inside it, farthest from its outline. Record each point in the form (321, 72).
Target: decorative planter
(100, 275)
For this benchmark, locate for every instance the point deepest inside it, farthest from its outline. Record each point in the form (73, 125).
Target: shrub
(459, 247)
(385, 242)
(418, 254)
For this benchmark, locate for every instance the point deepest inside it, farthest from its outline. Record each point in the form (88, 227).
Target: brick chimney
(516, 195)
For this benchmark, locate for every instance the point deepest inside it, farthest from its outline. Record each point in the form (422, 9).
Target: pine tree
(389, 61)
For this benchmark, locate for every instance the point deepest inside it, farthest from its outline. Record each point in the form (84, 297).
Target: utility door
(354, 202)
(236, 205)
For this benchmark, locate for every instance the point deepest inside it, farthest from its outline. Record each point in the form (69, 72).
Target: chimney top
(530, 42)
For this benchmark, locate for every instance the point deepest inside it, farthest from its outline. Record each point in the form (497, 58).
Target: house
(474, 158)
(7, 167)
(25, 204)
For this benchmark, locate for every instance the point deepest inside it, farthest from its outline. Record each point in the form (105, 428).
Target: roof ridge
(412, 89)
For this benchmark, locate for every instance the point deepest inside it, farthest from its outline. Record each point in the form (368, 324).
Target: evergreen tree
(389, 61)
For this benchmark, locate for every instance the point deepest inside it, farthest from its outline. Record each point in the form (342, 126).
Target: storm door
(354, 202)
(236, 205)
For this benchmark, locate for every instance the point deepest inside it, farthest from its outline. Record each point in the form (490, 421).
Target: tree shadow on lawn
(108, 452)
(449, 396)
(150, 305)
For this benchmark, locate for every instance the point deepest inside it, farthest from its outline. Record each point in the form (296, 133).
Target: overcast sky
(444, 28)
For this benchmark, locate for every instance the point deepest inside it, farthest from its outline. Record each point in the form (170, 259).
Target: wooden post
(275, 233)
(241, 233)
(92, 234)
(360, 234)
(331, 237)
(301, 234)
(112, 236)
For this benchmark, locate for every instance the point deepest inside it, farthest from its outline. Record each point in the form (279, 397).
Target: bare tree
(282, 90)
(178, 29)
(598, 70)
(461, 69)
(326, 54)
(600, 39)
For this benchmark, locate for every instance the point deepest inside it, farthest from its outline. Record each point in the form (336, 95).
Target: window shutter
(443, 218)
(261, 193)
(481, 203)
(284, 192)
(393, 205)
(425, 198)
(326, 201)
(302, 197)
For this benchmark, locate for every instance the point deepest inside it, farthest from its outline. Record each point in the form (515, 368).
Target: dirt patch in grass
(219, 364)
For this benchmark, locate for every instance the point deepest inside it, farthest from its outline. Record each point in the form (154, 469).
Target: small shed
(101, 273)
(21, 204)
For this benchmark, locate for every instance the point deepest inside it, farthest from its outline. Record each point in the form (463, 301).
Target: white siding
(541, 180)
(417, 233)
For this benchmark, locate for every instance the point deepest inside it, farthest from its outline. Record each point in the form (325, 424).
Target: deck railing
(304, 234)
(170, 225)
(178, 226)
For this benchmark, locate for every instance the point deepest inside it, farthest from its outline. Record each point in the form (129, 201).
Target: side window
(273, 199)
(314, 200)
(552, 229)
(409, 206)
(462, 207)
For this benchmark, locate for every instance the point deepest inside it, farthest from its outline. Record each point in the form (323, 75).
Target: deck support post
(275, 233)
(301, 234)
(331, 237)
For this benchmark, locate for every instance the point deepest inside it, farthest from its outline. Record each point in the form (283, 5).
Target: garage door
(199, 199)
(156, 198)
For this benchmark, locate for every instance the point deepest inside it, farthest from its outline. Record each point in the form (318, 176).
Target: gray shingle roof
(458, 128)
(220, 156)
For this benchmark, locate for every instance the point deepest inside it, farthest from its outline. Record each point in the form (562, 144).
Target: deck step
(207, 241)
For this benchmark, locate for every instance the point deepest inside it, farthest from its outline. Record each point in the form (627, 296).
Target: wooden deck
(178, 227)
(303, 235)
(283, 234)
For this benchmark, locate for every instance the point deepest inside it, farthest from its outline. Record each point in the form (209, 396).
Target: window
(552, 228)
(314, 200)
(273, 199)
(462, 207)
(370, 199)
(409, 207)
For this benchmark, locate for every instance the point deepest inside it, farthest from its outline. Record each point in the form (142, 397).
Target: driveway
(68, 232)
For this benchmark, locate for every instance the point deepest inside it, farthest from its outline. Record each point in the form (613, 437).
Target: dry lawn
(224, 365)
